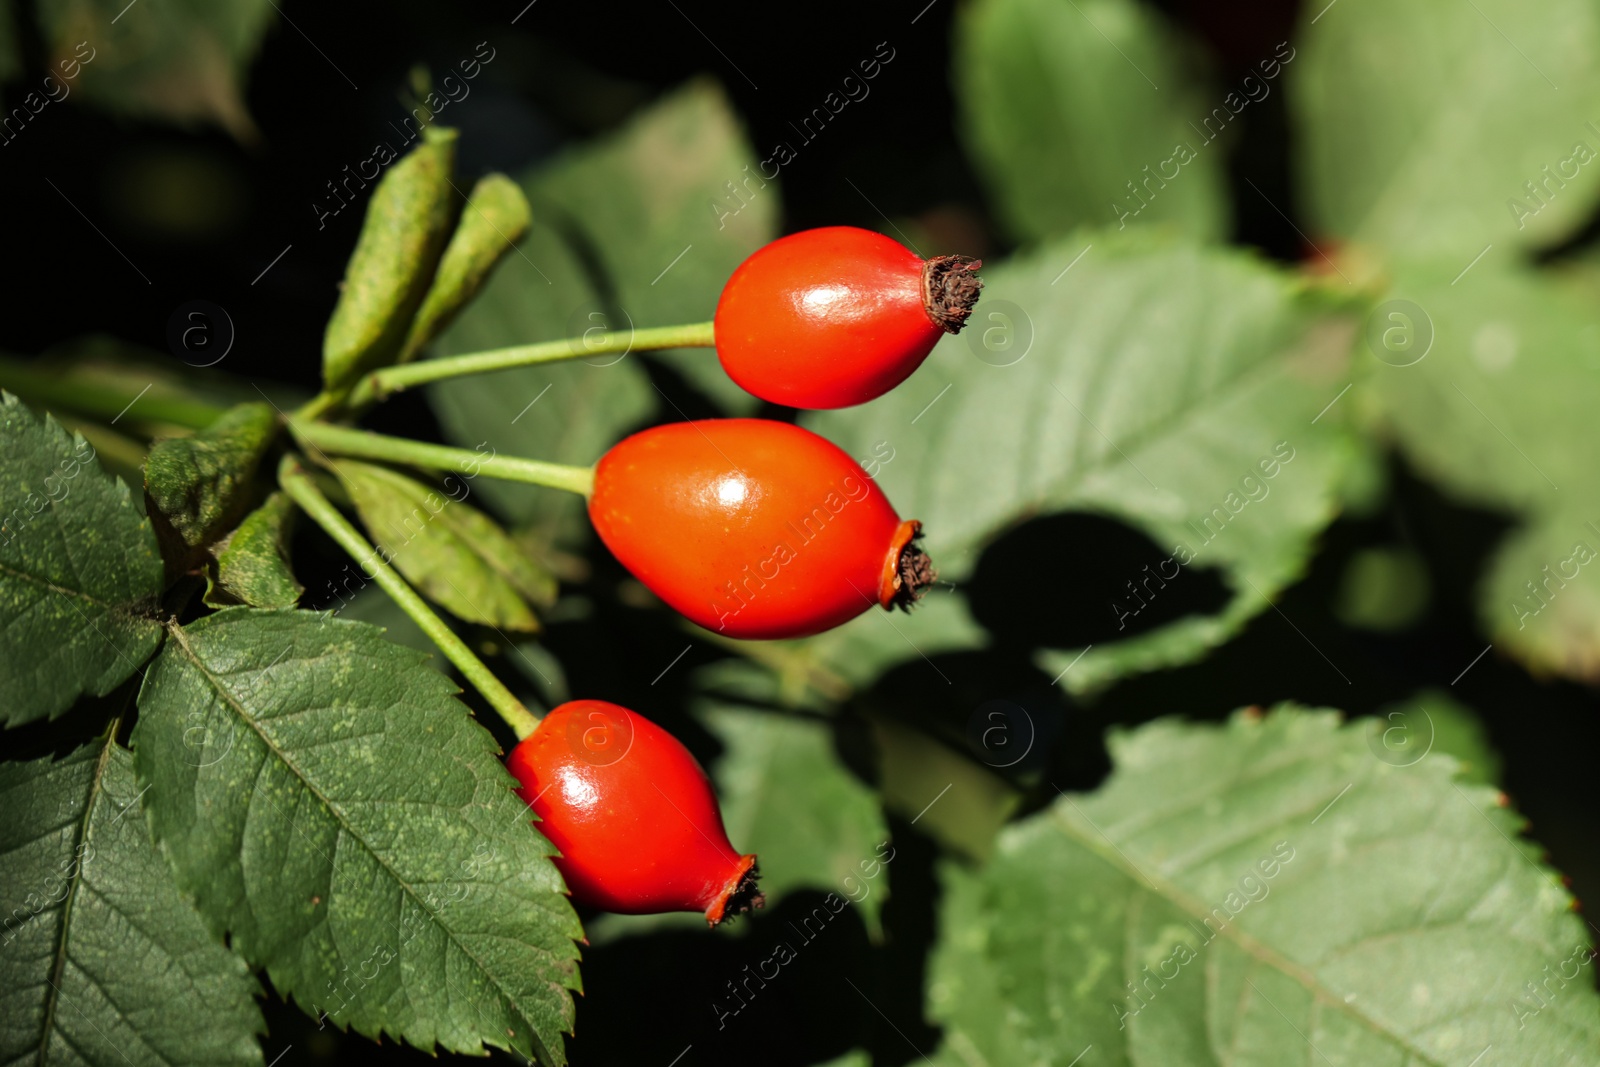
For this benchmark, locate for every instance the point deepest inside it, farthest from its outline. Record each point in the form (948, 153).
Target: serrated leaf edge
(1324, 720)
(546, 1055)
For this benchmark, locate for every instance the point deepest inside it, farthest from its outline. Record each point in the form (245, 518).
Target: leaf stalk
(360, 444)
(295, 481)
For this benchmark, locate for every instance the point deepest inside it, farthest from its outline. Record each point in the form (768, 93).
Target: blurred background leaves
(1064, 122)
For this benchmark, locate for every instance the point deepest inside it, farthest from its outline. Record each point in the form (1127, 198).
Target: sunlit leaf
(199, 483)
(450, 550)
(104, 962)
(1264, 892)
(1432, 127)
(409, 219)
(337, 812)
(80, 572)
(1494, 400)
(495, 217)
(253, 564)
(1090, 113)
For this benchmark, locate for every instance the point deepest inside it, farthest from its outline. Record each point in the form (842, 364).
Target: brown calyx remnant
(746, 896)
(916, 573)
(950, 288)
(907, 570)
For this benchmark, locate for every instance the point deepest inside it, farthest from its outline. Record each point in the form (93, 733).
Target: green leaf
(652, 202)
(451, 551)
(1157, 383)
(1088, 113)
(1500, 412)
(369, 603)
(179, 60)
(964, 989)
(335, 810)
(492, 222)
(201, 483)
(408, 222)
(79, 571)
(1433, 721)
(1264, 892)
(253, 564)
(1422, 121)
(787, 798)
(562, 412)
(104, 961)
(610, 222)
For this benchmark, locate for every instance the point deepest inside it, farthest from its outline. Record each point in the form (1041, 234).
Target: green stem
(304, 492)
(319, 405)
(380, 383)
(342, 441)
(86, 397)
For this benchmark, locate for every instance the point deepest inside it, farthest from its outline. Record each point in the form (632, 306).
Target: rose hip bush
(891, 534)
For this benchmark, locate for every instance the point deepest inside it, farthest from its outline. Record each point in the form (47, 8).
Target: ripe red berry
(754, 529)
(836, 316)
(633, 814)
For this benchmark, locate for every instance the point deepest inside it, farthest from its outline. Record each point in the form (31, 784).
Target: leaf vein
(341, 820)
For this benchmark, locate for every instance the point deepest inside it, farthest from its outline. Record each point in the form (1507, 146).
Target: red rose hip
(632, 813)
(836, 316)
(754, 529)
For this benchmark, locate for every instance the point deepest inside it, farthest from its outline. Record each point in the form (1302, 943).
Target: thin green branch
(60, 393)
(360, 444)
(298, 484)
(381, 383)
(319, 405)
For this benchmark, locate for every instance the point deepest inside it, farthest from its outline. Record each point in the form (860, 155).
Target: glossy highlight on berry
(632, 813)
(837, 316)
(754, 528)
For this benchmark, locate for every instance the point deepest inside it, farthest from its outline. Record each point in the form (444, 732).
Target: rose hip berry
(754, 529)
(633, 814)
(836, 316)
